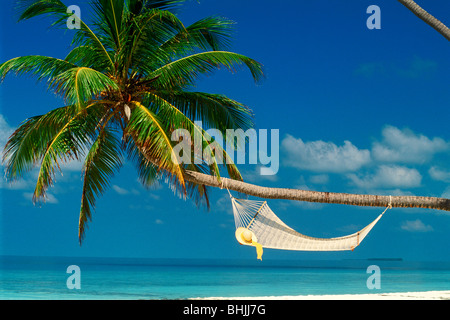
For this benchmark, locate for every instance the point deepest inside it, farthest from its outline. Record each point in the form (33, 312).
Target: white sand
(428, 295)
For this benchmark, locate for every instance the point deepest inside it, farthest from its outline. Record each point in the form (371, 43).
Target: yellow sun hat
(245, 236)
(248, 238)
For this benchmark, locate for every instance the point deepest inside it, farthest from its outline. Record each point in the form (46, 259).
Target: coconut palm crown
(127, 85)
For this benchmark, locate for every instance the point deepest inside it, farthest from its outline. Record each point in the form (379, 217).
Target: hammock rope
(257, 225)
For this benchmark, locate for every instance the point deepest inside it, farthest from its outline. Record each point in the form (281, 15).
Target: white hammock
(258, 226)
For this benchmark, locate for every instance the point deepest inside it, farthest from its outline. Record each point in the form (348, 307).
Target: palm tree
(127, 85)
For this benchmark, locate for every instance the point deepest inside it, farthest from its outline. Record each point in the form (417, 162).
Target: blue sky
(358, 111)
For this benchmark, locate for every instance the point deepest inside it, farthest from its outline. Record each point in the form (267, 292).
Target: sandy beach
(427, 295)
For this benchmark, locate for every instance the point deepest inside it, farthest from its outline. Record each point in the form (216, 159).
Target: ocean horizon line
(360, 263)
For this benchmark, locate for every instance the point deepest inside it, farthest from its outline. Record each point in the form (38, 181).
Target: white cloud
(370, 69)
(302, 205)
(390, 165)
(416, 226)
(397, 146)
(158, 221)
(319, 179)
(256, 176)
(21, 184)
(439, 174)
(321, 156)
(120, 190)
(388, 176)
(152, 196)
(224, 204)
(446, 193)
(396, 192)
(414, 68)
(404, 146)
(72, 165)
(5, 131)
(417, 68)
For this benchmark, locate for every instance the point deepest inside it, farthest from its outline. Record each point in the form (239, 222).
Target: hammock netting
(257, 225)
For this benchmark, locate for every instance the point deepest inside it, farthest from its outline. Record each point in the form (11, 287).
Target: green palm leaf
(147, 171)
(214, 110)
(103, 160)
(67, 144)
(59, 12)
(29, 142)
(88, 56)
(138, 6)
(110, 14)
(151, 137)
(80, 85)
(144, 35)
(212, 33)
(179, 121)
(185, 71)
(32, 8)
(40, 66)
(214, 152)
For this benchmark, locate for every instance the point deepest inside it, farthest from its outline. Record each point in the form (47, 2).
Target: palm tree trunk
(428, 18)
(322, 197)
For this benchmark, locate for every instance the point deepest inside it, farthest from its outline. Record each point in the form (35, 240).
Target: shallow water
(107, 278)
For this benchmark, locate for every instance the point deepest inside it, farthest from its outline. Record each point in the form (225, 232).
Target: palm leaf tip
(185, 71)
(170, 5)
(27, 9)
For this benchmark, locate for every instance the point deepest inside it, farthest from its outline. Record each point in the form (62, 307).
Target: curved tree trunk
(322, 197)
(428, 18)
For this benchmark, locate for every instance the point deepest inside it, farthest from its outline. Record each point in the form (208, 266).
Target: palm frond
(169, 5)
(150, 174)
(80, 85)
(28, 9)
(212, 153)
(67, 144)
(214, 110)
(57, 10)
(134, 6)
(152, 139)
(29, 142)
(147, 170)
(212, 33)
(185, 71)
(166, 110)
(89, 56)
(110, 18)
(145, 34)
(41, 67)
(103, 160)
(86, 36)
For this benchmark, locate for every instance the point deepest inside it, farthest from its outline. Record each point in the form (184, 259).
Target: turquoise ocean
(45, 278)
